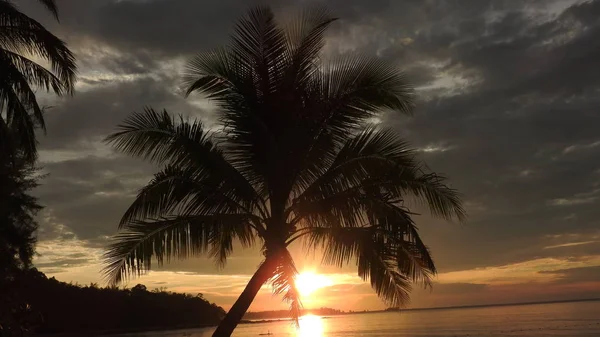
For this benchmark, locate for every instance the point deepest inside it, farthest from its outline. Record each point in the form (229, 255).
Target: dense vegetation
(55, 306)
(17, 237)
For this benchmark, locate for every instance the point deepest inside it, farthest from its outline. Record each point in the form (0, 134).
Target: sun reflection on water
(311, 326)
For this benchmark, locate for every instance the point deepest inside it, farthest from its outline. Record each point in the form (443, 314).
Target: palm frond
(355, 89)
(260, 44)
(221, 76)
(159, 137)
(23, 35)
(339, 100)
(376, 164)
(134, 248)
(51, 6)
(283, 282)
(34, 73)
(19, 82)
(162, 139)
(22, 126)
(388, 253)
(305, 38)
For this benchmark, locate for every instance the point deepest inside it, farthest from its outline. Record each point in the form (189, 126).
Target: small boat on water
(266, 334)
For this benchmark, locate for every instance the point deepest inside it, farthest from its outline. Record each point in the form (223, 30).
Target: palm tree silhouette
(295, 159)
(22, 38)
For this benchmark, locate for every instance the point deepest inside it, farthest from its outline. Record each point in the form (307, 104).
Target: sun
(307, 282)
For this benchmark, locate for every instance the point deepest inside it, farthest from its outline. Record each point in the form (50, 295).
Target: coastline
(281, 319)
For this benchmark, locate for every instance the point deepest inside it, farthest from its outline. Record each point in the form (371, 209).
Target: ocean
(571, 319)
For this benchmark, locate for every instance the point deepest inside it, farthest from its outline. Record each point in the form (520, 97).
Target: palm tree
(22, 38)
(295, 159)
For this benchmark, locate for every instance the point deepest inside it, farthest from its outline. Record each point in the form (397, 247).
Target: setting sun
(308, 282)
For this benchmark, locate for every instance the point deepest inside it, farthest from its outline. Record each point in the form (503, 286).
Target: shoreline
(281, 319)
(476, 306)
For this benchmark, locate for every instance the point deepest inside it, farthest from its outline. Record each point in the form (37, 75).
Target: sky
(508, 98)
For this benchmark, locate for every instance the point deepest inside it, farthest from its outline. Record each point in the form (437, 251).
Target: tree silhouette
(296, 159)
(17, 238)
(34, 303)
(21, 38)
(17, 215)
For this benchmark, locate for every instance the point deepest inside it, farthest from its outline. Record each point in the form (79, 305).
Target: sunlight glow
(308, 282)
(310, 326)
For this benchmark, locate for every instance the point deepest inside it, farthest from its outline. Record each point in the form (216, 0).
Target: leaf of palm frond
(371, 151)
(354, 179)
(377, 161)
(139, 242)
(415, 263)
(160, 138)
(177, 191)
(237, 227)
(283, 282)
(343, 97)
(431, 189)
(413, 257)
(221, 76)
(389, 284)
(23, 35)
(18, 82)
(360, 82)
(168, 189)
(19, 121)
(260, 44)
(384, 257)
(51, 6)
(305, 41)
(34, 73)
(354, 89)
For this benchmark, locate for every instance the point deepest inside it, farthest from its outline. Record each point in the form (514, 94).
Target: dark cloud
(89, 194)
(165, 27)
(91, 115)
(508, 110)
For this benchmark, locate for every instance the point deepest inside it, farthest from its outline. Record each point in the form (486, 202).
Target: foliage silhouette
(295, 159)
(17, 212)
(17, 236)
(58, 307)
(22, 38)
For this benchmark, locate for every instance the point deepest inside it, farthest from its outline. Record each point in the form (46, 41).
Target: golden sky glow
(308, 282)
(320, 286)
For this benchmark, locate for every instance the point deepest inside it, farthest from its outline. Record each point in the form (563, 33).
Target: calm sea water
(557, 319)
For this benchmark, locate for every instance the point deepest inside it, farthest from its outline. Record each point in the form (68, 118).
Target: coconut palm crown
(296, 160)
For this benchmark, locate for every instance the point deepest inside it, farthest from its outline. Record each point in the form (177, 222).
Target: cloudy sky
(508, 91)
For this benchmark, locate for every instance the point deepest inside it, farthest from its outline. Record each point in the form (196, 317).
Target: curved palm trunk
(239, 308)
